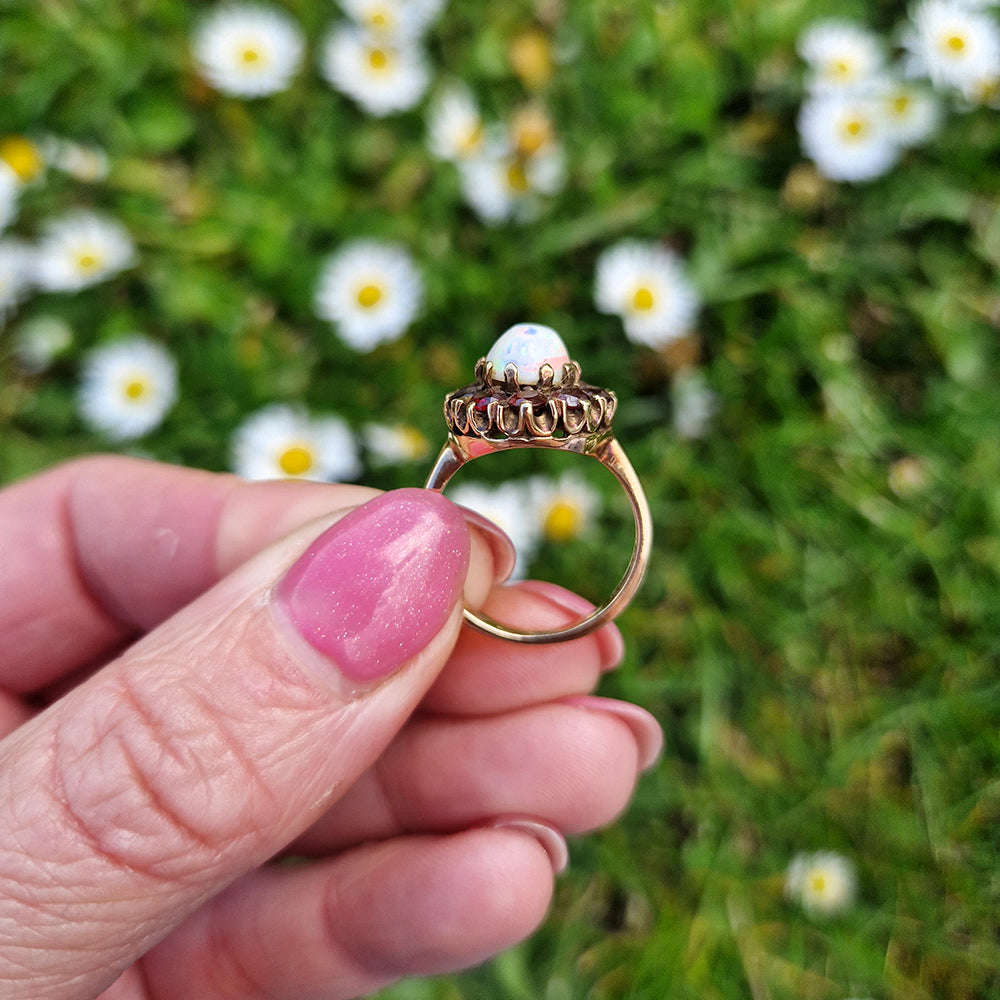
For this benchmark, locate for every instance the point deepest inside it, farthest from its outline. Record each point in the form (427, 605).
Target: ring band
(539, 402)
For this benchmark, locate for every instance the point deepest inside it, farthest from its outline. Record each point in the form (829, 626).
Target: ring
(528, 394)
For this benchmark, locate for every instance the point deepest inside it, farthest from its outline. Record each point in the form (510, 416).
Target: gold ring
(528, 394)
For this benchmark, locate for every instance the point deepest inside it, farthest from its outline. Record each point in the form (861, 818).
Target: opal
(529, 346)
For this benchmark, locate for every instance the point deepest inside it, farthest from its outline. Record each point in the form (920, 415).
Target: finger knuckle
(157, 780)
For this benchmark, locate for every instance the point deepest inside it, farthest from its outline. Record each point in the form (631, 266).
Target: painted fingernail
(647, 731)
(548, 836)
(501, 547)
(376, 587)
(612, 644)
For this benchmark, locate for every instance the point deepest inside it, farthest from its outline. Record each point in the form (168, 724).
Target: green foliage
(818, 632)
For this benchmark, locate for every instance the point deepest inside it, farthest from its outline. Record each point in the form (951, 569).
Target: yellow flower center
(817, 883)
(296, 460)
(955, 44)
(643, 299)
(369, 296)
(517, 178)
(380, 19)
(563, 521)
(900, 104)
(380, 60)
(88, 260)
(250, 55)
(136, 388)
(840, 69)
(22, 156)
(855, 128)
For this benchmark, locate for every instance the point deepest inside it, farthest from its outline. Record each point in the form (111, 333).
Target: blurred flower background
(269, 238)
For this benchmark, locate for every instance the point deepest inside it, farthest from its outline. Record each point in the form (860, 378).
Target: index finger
(98, 550)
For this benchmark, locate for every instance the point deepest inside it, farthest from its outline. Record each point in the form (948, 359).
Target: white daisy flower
(505, 506)
(956, 45)
(455, 129)
(383, 75)
(841, 55)
(824, 884)
(248, 50)
(501, 185)
(371, 291)
(10, 189)
(646, 285)
(847, 137)
(391, 444)
(39, 341)
(911, 113)
(284, 442)
(81, 249)
(127, 387)
(694, 404)
(565, 507)
(395, 18)
(15, 274)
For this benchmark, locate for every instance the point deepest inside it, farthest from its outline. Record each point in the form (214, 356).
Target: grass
(818, 631)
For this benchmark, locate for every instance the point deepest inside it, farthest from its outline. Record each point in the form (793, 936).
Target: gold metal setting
(505, 408)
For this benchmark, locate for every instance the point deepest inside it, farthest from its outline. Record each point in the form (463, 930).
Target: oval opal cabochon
(529, 346)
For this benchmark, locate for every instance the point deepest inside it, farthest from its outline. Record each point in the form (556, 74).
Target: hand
(200, 675)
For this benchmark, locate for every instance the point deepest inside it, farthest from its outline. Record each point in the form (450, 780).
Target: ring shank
(459, 451)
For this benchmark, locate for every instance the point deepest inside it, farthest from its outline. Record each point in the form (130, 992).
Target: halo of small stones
(503, 407)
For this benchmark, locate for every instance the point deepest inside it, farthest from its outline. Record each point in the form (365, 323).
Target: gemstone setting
(528, 391)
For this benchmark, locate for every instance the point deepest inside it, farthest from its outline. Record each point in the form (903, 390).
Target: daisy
(501, 185)
(81, 249)
(39, 341)
(395, 18)
(455, 129)
(23, 156)
(383, 75)
(248, 50)
(565, 507)
(847, 137)
(694, 404)
(390, 444)
(841, 55)
(127, 387)
(645, 284)
(955, 44)
(911, 113)
(371, 291)
(15, 275)
(284, 442)
(505, 506)
(824, 884)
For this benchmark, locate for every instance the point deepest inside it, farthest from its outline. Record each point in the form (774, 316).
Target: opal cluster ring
(528, 394)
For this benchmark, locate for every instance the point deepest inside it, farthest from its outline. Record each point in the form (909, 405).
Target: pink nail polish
(647, 731)
(376, 587)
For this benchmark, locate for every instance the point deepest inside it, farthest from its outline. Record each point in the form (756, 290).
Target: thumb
(220, 736)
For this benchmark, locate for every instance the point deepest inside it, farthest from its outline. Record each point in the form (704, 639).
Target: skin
(165, 738)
